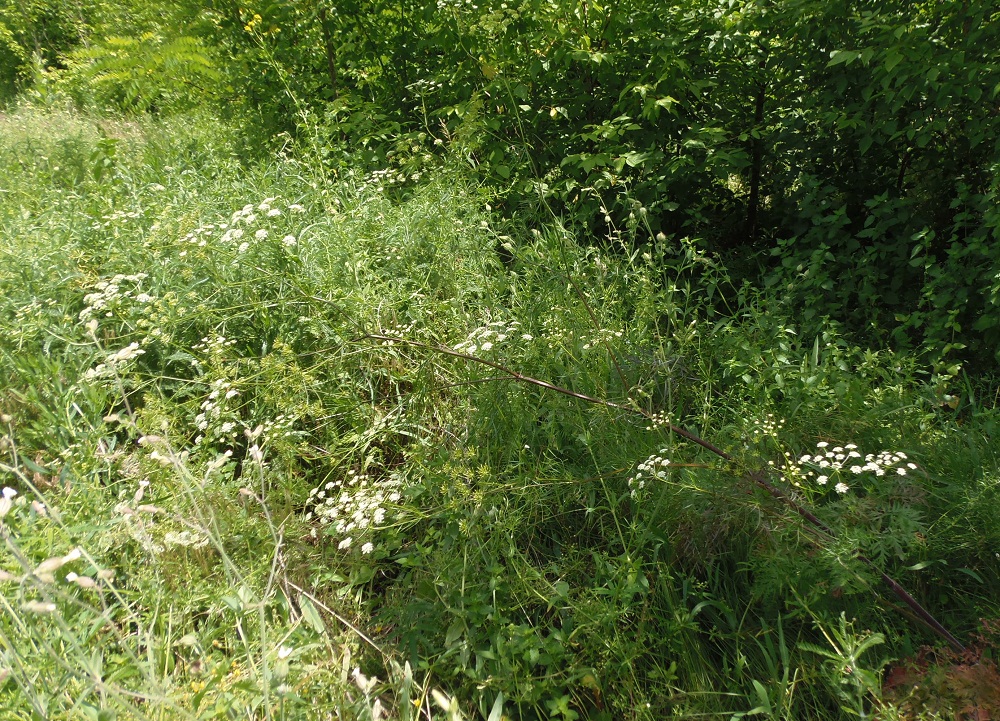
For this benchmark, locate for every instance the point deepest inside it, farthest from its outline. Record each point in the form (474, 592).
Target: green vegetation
(504, 361)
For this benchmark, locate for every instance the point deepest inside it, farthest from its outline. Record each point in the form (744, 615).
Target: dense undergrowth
(273, 450)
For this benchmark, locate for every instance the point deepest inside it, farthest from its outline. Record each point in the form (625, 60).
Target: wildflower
(260, 234)
(367, 548)
(273, 213)
(39, 607)
(822, 480)
(244, 247)
(85, 582)
(296, 208)
(841, 488)
(346, 543)
(822, 444)
(289, 241)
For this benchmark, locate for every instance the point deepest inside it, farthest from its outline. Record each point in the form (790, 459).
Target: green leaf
(971, 574)
(311, 615)
(892, 61)
(496, 713)
(636, 158)
(455, 631)
(838, 57)
(765, 701)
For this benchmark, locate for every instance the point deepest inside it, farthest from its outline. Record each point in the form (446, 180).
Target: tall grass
(271, 454)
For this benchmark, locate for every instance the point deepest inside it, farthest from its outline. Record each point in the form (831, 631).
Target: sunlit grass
(271, 454)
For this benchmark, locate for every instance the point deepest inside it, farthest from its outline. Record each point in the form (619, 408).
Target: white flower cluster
(115, 364)
(185, 539)
(117, 219)
(353, 508)
(218, 419)
(554, 334)
(280, 427)
(378, 180)
(602, 336)
(213, 345)
(139, 518)
(489, 336)
(653, 468)
(657, 419)
(834, 462)
(111, 294)
(210, 420)
(200, 235)
(399, 331)
(243, 220)
(769, 427)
